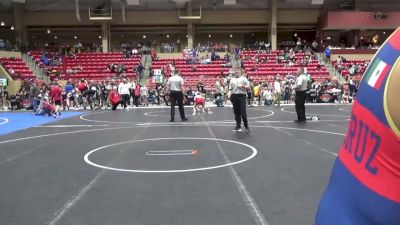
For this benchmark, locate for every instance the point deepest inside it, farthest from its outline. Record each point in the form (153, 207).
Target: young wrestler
(200, 104)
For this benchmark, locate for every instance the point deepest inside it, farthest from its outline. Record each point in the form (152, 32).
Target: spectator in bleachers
(139, 70)
(314, 46)
(339, 59)
(328, 54)
(237, 52)
(121, 68)
(78, 47)
(353, 69)
(11, 71)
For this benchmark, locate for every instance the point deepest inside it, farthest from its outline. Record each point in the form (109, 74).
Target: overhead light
(144, 36)
(12, 27)
(209, 35)
(75, 37)
(55, 37)
(229, 2)
(99, 36)
(2, 23)
(231, 35)
(317, 2)
(167, 36)
(187, 35)
(48, 31)
(384, 32)
(295, 34)
(329, 38)
(132, 2)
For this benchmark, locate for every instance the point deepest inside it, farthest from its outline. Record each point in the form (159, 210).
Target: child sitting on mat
(200, 104)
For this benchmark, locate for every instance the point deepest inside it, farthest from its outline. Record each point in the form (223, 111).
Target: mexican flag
(377, 73)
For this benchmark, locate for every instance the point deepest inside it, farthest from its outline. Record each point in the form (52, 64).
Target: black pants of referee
(177, 97)
(300, 107)
(125, 100)
(239, 109)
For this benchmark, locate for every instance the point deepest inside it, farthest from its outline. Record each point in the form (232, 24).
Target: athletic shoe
(247, 130)
(171, 121)
(184, 119)
(209, 112)
(194, 113)
(237, 129)
(300, 121)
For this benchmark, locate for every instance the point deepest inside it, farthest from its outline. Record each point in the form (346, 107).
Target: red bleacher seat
(94, 65)
(19, 67)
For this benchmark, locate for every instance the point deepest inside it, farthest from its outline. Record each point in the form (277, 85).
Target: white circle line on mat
(250, 118)
(5, 120)
(344, 109)
(283, 109)
(158, 125)
(253, 149)
(82, 117)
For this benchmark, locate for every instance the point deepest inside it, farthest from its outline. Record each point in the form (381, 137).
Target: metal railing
(39, 73)
(146, 62)
(331, 68)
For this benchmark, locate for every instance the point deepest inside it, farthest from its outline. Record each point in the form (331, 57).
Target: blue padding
(348, 202)
(23, 120)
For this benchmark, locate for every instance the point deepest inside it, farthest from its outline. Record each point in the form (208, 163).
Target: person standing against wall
(238, 86)
(175, 87)
(300, 99)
